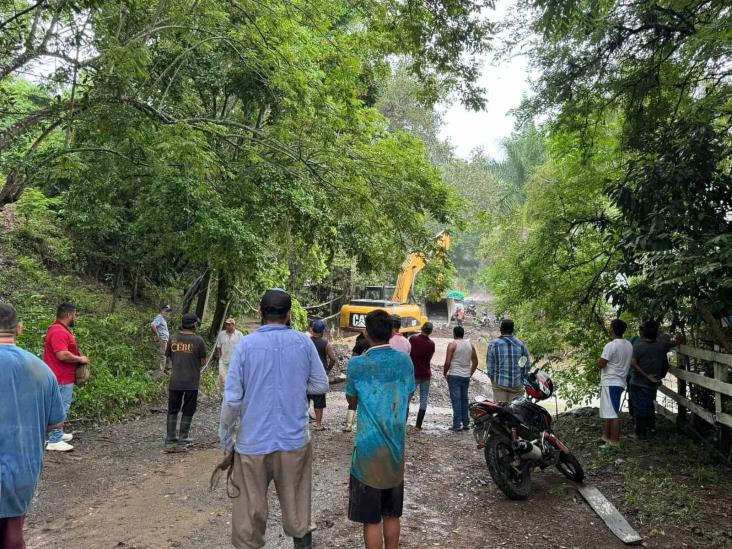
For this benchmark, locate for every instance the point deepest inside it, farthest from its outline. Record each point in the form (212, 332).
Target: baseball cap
(190, 320)
(229, 321)
(319, 326)
(166, 308)
(275, 301)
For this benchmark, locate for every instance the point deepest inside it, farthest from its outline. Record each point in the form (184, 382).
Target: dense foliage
(235, 140)
(632, 212)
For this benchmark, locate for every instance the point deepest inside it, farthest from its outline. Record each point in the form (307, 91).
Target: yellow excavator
(402, 302)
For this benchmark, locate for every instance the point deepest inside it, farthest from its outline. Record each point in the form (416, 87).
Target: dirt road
(118, 489)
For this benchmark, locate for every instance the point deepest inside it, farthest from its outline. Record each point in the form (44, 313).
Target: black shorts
(369, 505)
(318, 401)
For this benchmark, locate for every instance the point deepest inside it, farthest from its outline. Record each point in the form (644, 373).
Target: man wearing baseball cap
(227, 341)
(187, 353)
(328, 358)
(161, 335)
(265, 398)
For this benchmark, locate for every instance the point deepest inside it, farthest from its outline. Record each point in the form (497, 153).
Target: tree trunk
(203, 295)
(119, 279)
(193, 291)
(222, 300)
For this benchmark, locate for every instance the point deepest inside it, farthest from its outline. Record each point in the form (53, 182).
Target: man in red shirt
(62, 355)
(422, 350)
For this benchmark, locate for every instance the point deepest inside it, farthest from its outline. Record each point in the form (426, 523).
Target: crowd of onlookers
(268, 379)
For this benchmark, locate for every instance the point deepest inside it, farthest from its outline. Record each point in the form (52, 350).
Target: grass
(669, 487)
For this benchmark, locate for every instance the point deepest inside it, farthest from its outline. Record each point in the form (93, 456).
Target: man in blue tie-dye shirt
(379, 382)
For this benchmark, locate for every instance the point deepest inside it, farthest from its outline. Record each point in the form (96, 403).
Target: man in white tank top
(461, 362)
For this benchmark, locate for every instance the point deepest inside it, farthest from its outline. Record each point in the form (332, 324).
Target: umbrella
(454, 294)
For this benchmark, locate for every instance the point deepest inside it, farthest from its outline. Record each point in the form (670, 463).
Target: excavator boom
(412, 266)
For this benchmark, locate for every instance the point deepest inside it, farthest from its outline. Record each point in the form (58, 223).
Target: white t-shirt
(227, 343)
(618, 354)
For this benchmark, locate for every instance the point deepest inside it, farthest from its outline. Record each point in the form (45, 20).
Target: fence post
(725, 434)
(681, 418)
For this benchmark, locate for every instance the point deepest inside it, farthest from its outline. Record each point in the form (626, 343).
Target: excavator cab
(396, 299)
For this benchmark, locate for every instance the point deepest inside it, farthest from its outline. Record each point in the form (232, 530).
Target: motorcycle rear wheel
(498, 457)
(570, 467)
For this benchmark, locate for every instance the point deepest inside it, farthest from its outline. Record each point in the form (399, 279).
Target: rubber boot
(172, 424)
(350, 416)
(305, 542)
(185, 427)
(420, 418)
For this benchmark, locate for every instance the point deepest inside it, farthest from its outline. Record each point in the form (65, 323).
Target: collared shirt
(503, 361)
(271, 373)
(30, 402)
(400, 343)
(382, 379)
(60, 338)
(227, 343)
(161, 325)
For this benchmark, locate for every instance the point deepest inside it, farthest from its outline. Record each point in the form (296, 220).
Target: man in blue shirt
(265, 398)
(504, 368)
(379, 382)
(30, 406)
(161, 335)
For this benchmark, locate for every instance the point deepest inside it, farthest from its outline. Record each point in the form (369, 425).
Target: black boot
(305, 542)
(185, 426)
(172, 423)
(420, 418)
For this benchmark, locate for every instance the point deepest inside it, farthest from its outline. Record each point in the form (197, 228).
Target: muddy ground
(119, 489)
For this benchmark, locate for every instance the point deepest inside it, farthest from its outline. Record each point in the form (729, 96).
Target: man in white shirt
(614, 364)
(226, 344)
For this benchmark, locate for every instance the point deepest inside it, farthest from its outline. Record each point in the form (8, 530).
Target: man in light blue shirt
(30, 405)
(161, 335)
(265, 399)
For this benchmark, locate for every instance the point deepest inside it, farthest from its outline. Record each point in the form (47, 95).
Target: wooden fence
(709, 370)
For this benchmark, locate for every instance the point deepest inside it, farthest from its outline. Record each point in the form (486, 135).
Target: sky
(506, 84)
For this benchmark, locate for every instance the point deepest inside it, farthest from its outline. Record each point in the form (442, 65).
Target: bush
(117, 344)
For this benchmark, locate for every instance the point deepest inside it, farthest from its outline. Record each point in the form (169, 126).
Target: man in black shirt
(187, 353)
(328, 358)
(649, 366)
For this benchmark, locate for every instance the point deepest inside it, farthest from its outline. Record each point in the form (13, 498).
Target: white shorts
(610, 401)
(223, 369)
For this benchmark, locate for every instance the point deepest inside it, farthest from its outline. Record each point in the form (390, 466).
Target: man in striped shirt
(504, 370)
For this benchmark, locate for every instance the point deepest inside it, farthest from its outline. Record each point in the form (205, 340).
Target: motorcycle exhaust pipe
(526, 449)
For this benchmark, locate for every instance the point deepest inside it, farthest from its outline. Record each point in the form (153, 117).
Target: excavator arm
(412, 266)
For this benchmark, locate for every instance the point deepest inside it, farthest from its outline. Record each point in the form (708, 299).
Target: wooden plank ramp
(609, 514)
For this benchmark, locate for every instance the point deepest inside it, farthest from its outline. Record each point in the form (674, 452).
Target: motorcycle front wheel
(570, 467)
(499, 457)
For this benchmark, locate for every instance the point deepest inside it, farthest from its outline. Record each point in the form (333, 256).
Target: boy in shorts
(379, 382)
(614, 364)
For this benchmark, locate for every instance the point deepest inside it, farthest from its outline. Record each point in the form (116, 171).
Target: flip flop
(321, 429)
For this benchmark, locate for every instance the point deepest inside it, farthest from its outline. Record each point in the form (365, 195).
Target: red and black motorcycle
(517, 437)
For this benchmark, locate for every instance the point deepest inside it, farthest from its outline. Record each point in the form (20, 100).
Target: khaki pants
(223, 372)
(292, 474)
(506, 394)
(161, 361)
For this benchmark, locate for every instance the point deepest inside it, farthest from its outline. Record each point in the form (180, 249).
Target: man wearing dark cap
(422, 351)
(265, 399)
(161, 335)
(30, 405)
(328, 358)
(187, 353)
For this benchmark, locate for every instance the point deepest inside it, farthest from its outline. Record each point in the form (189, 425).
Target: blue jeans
(67, 397)
(424, 392)
(458, 386)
